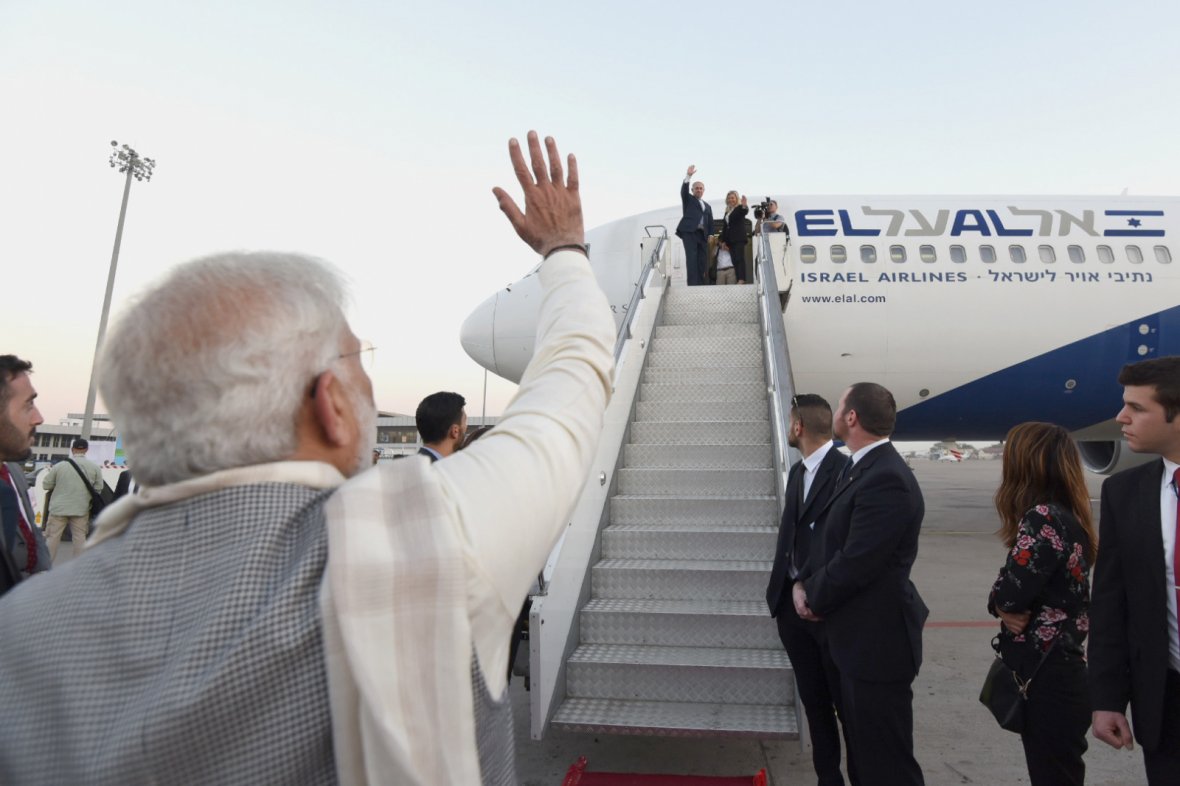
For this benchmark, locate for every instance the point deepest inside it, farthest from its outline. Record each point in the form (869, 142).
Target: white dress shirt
(811, 465)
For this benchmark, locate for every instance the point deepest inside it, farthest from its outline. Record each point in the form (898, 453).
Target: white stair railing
(565, 583)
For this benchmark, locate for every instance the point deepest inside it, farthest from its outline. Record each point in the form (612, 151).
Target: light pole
(128, 162)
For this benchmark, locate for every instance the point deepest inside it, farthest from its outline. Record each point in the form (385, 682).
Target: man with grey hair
(265, 612)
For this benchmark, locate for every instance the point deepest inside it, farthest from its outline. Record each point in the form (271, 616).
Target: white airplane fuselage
(978, 313)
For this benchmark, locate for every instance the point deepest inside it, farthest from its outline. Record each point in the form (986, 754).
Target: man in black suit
(857, 582)
(696, 224)
(809, 485)
(22, 550)
(1134, 641)
(442, 424)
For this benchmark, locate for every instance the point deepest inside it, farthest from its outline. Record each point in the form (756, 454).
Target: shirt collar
(433, 452)
(1169, 472)
(817, 456)
(858, 455)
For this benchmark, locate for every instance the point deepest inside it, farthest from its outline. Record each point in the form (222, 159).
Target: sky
(371, 133)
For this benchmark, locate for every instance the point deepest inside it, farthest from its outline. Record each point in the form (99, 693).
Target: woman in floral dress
(1042, 594)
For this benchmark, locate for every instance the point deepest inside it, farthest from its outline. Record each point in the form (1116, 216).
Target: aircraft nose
(476, 335)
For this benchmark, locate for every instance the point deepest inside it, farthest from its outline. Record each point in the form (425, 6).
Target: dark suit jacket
(734, 231)
(692, 213)
(424, 452)
(794, 535)
(15, 544)
(858, 580)
(122, 485)
(1129, 606)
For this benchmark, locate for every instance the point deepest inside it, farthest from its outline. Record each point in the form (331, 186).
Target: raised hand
(552, 215)
(692, 170)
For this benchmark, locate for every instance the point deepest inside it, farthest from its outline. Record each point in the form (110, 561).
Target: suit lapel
(858, 471)
(1147, 498)
(22, 488)
(821, 487)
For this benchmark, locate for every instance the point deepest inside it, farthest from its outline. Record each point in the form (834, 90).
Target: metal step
(677, 719)
(703, 376)
(681, 674)
(750, 347)
(710, 314)
(680, 579)
(682, 541)
(698, 456)
(738, 331)
(755, 431)
(711, 482)
(678, 623)
(722, 511)
(716, 391)
(695, 411)
(692, 358)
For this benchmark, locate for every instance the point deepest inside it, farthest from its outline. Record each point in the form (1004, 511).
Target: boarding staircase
(671, 635)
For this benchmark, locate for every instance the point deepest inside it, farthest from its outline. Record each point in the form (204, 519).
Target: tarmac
(956, 739)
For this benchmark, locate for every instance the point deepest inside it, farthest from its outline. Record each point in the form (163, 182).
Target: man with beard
(265, 612)
(24, 552)
(858, 583)
(809, 485)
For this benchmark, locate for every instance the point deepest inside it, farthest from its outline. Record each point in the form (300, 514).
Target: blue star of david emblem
(1133, 222)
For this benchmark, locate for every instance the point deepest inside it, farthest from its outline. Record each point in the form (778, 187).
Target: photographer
(767, 213)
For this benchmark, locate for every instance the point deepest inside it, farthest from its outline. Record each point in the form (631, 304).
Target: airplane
(977, 312)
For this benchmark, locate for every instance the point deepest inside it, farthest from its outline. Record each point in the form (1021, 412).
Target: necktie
(844, 471)
(25, 531)
(1176, 543)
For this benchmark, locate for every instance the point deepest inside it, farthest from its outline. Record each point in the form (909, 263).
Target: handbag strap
(1044, 657)
(1024, 685)
(82, 475)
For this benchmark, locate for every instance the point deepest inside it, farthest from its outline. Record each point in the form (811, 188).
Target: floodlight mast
(127, 161)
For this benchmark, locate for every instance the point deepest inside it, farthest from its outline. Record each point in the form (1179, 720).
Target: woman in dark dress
(1042, 594)
(733, 234)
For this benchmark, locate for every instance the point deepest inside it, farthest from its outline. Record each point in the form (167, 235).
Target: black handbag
(1004, 692)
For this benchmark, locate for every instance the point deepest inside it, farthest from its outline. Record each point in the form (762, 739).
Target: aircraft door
(780, 246)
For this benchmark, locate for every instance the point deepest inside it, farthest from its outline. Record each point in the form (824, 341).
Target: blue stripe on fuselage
(1036, 388)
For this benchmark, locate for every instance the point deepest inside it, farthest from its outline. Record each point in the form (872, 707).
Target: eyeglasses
(364, 355)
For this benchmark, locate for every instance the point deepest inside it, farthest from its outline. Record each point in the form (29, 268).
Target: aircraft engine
(1110, 456)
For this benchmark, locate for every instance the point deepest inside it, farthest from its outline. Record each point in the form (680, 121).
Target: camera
(762, 208)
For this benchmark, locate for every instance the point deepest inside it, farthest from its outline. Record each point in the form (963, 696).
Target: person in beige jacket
(69, 499)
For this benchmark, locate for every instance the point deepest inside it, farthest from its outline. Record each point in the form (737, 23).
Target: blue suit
(696, 224)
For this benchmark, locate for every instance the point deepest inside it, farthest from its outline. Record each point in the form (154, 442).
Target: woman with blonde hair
(1042, 594)
(731, 253)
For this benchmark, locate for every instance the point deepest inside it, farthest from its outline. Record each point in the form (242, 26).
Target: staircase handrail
(553, 625)
(638, 294)
(778, 365)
